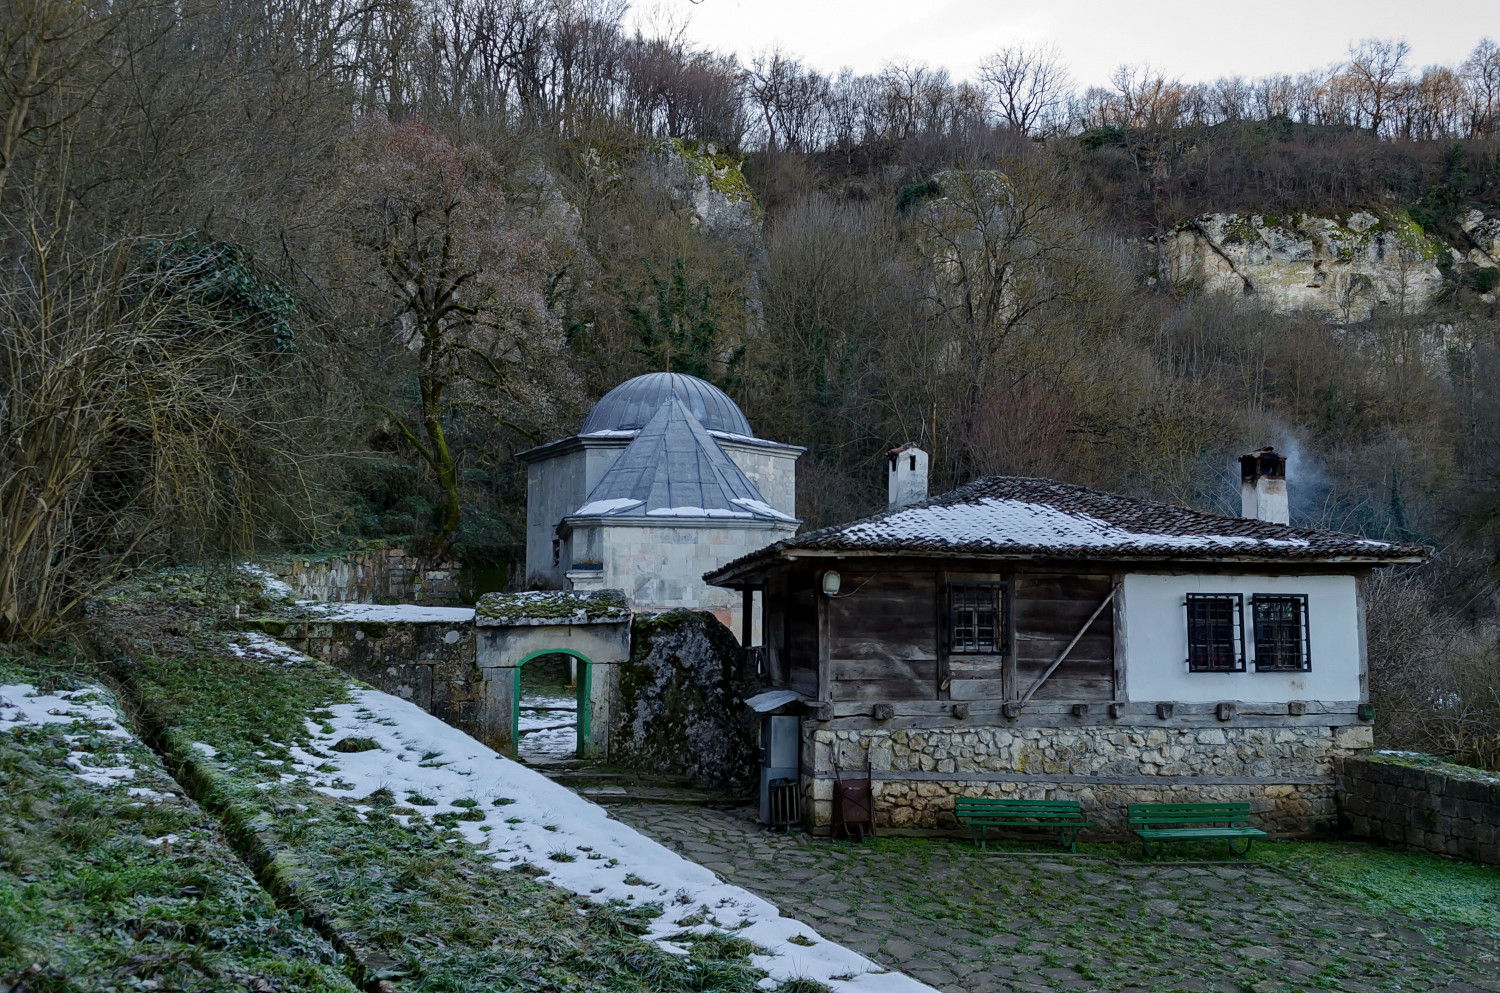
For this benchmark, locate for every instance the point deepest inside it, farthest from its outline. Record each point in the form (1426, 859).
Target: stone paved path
(973, 922)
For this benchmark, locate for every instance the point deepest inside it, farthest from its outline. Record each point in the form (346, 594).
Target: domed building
(664, 482)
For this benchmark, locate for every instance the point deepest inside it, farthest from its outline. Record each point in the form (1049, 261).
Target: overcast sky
(1192, 39)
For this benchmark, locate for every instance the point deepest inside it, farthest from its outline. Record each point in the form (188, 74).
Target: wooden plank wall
(1049, 610)
(883, 637)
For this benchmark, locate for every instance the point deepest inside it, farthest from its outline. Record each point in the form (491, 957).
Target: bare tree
(1481, 72)
(1027, 84)
(1376, 70)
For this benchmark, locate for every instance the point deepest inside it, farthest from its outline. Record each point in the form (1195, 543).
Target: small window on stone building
(1281, 637)
(1216, 638)
(977, 622)
(556, 551)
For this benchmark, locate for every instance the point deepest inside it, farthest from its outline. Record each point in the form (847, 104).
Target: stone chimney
(1263, 486)
(908, 475)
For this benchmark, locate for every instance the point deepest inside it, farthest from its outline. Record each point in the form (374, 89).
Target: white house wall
(555, 488)
(661, 568)
(773, 470)
(1155, 640)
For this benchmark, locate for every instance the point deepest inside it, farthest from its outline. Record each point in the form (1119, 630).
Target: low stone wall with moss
(681, 708)
(1421, 802)
(378, 574)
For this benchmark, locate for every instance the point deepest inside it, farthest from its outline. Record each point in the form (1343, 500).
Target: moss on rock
(552, 607)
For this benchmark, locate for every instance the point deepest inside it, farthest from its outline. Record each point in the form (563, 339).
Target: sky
(1194, 40)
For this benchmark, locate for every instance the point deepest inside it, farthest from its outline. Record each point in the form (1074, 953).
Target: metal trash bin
(853, 808)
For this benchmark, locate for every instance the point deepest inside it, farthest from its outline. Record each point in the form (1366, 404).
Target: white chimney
(1263, 486)
(908, 476)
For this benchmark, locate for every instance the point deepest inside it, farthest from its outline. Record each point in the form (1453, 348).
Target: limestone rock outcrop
(1342, 268)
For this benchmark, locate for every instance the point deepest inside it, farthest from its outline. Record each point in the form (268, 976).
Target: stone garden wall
(378, 574)
(432, 664)
(1285, 773)
(1420, 802)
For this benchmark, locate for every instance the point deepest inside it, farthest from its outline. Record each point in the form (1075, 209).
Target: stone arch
(583, 690)
(515, 628)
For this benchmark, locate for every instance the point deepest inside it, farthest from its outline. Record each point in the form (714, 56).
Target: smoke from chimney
(1263, 487)
(908, 476)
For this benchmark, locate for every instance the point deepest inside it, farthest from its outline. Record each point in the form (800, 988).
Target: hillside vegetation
(298, 275)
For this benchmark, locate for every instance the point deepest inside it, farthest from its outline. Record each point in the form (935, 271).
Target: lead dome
(630, 405)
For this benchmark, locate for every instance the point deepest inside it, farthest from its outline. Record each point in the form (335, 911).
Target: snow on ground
(547, 727)
(428, 765)
(254, 645)
(24, 705)
(390, 613)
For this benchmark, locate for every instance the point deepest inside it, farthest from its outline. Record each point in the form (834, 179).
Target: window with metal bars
(1216, 638)
(1281, 635)
(977, 622)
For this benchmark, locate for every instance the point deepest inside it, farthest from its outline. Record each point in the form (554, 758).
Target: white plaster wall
(772, 470)
(555, 487)
(661, 568)
(1156, 641)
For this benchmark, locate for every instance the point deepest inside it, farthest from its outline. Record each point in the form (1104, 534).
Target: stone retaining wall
(430, 663)
(370, 575)
(1285, 773)
(1420, 802)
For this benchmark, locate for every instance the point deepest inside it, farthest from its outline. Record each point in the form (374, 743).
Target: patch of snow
(255, 645)
(762, 508)
(22, 704)
(273, 584)
(166, 839)
(395, 613)
(552, 819)
(610, 433)
(601, 507)
(696, 512)
(206, 750)
(1005, 523)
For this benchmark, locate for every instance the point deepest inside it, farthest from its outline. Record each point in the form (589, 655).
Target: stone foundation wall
(1420, 802)
(432, 664)
(371, 575)
(1285, 773)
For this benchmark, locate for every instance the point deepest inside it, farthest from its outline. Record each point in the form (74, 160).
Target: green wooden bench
(1160, 823)
(983, 813)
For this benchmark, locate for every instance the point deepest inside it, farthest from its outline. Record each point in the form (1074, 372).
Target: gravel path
(971, 922)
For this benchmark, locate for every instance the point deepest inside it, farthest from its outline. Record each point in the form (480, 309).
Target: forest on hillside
(285, 275)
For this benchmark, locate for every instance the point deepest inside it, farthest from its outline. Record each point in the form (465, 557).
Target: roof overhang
(573, 522)
(752, 569)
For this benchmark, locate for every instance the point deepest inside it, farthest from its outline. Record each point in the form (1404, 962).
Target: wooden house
(1035, 639)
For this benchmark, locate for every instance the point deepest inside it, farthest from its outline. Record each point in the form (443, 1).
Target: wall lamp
(831, 581)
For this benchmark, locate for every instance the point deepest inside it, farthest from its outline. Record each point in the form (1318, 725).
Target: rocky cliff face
(1339, 267)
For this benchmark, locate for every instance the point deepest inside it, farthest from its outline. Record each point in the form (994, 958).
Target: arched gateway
(515, 628)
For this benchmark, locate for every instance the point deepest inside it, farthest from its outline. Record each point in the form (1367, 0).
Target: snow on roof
(1014, 515)
(390, 613)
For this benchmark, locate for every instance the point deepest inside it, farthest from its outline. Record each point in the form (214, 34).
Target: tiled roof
(675, 469)
(1011, 515)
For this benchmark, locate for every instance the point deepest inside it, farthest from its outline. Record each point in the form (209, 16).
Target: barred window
(1216, 639)
(977, 622)
(1281, 636)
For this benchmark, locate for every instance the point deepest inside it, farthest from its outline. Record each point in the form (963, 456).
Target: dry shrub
(1435, 682)
(137, 422)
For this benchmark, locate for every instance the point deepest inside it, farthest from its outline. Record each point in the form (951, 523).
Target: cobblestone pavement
(972, 922)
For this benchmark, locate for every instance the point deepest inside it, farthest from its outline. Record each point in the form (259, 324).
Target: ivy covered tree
(678, 327)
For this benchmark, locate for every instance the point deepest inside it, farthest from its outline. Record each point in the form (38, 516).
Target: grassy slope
(89, 903)
(415, 905)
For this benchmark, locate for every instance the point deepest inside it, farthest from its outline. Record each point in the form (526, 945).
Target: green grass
(88, 902)
(414, 904)
(1422, 886)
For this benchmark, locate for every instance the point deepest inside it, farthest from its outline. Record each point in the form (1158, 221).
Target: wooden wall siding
(883, 638)
(1049, 610)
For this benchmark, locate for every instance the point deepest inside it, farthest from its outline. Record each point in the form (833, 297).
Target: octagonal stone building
(664, 482)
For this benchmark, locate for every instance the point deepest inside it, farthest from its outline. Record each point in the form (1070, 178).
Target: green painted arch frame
(585, 690)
